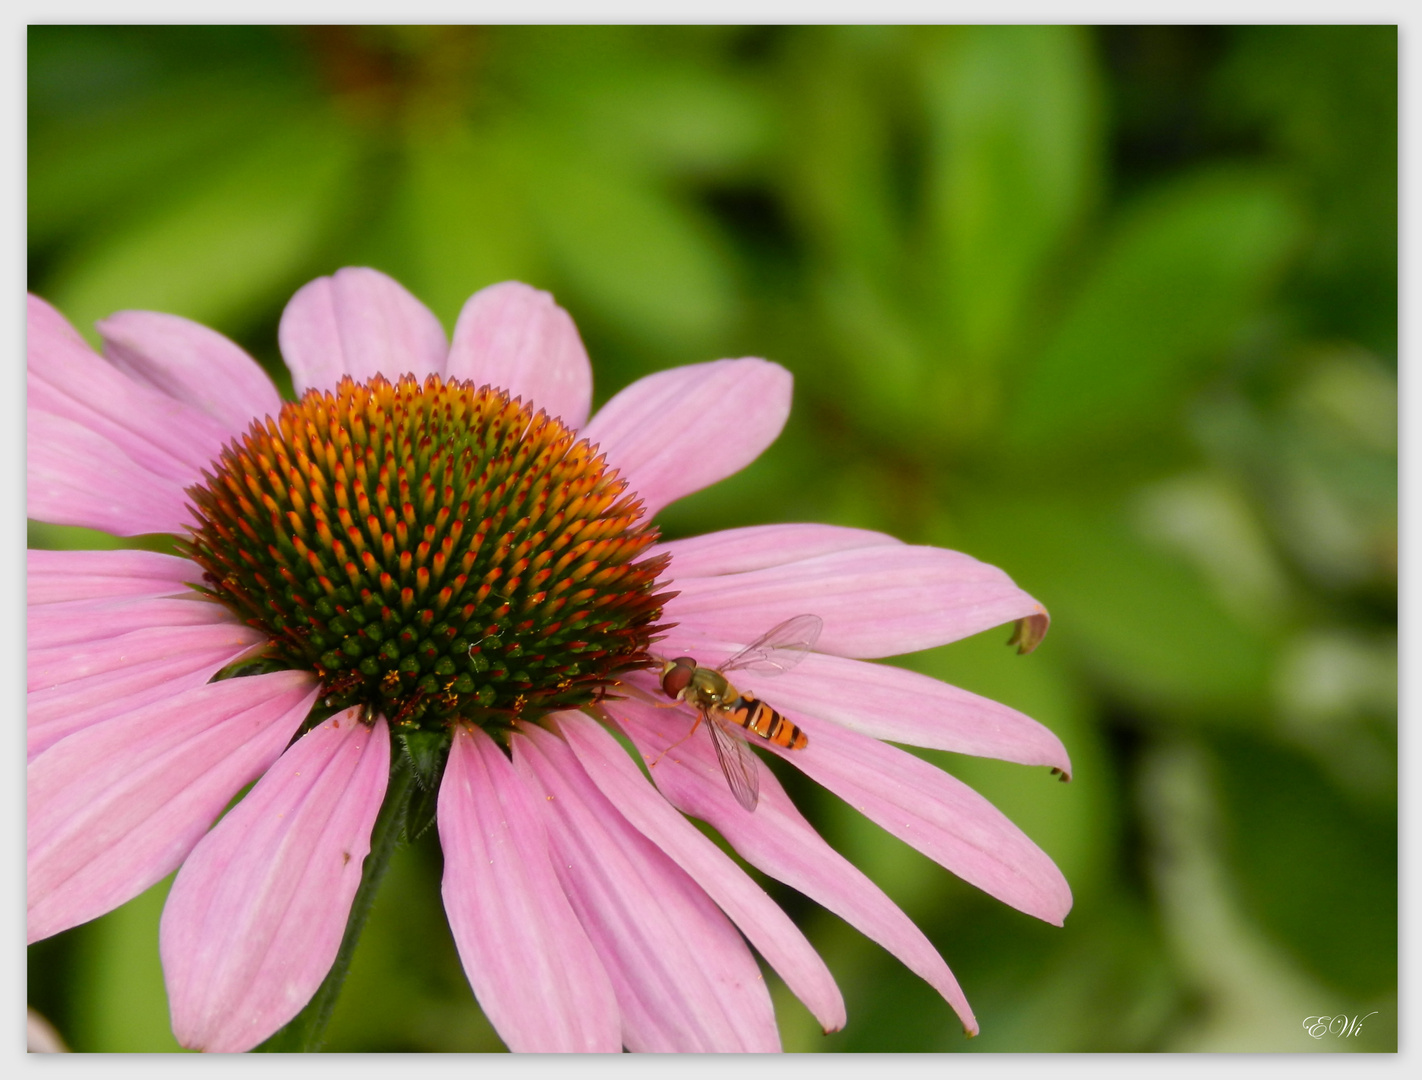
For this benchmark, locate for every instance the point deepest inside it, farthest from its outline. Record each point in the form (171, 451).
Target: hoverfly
(729, 712)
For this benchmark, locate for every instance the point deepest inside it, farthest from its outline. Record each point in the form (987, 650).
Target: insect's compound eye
(676, 677)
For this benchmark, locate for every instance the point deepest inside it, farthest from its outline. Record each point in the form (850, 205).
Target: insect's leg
(699, 717)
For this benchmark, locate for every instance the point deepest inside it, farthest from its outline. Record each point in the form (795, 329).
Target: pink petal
(47, 328)
(62, 710)
(40, 1036)
(68, 379)
(684, 979)
(192, 364)
(71, 622)
(734, 551)
(680, 430)
(762, 921)
(63, 664)
(875, 601)
(76, 477)
(256, 915)
(779, 841)
(515, 337)
(535, 973)
(117, 806)
(890, 703)
(934, 812)
(361, 323)
(55, 576)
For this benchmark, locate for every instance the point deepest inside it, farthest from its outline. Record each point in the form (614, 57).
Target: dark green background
(1113, 309)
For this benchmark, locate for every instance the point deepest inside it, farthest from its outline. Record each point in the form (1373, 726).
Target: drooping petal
(40, 1036)
(74, 476)
(762, 921)
(70, 622)
(361, 323)
(890, 703)
(68, 379)
(117, 806)
(63, 664)
(875, 601)
(53, 577)
(677, 431)
(777, 840)
(60, 710)
(536, 975)
(934, 812)
(515, 337)
(187, 361)
(684, 979)
(256, 915)
(735, 551)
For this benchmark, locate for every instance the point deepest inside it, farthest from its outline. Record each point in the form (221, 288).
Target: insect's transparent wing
(738, 762)
(780, 648)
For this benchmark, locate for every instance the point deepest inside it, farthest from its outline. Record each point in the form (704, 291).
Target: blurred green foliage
(1113, 309)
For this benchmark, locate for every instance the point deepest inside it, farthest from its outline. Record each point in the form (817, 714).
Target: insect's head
(676, 675)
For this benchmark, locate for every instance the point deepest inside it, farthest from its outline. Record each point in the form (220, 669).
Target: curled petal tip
(1028, 632)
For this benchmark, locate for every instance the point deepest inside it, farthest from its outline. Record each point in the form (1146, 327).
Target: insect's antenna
(699, 717)
(636, 693)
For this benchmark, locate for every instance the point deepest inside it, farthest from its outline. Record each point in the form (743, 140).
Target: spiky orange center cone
(435, 552)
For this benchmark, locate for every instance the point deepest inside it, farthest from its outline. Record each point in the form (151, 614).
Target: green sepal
(255, 665)
(426, 751)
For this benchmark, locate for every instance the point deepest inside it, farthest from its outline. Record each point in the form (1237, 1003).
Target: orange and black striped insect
(729, 712)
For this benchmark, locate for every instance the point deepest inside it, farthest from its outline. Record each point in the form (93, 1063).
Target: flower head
(435, 556)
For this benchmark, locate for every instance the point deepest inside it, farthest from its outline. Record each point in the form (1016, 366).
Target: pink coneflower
(435, 568)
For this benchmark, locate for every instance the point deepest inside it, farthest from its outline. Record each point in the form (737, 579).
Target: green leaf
(1327, 97)
(836, 166)
(232, 243)
(659, 113)
(1142, 620)
(1013, 156)
(1316, 870)
(1179, 275)
(881, 360)
(630, 248)
(110, 161)
(460, 218)
(1105, 984)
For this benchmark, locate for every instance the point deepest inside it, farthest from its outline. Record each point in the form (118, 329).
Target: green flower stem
(305, 1031)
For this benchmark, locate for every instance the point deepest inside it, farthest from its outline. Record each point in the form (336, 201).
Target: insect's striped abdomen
(755, 715)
